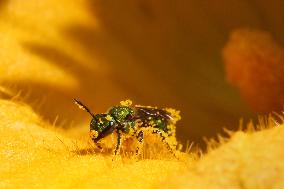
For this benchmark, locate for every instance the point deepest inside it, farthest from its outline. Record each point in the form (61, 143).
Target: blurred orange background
(159, 53)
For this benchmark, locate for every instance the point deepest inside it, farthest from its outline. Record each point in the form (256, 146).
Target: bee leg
(119, 139)
(171, 148)
(99, 146)
(140, 138)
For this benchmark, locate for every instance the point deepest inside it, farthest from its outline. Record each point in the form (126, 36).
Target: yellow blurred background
(159, 53)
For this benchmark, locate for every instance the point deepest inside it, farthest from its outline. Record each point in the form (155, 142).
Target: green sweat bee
(134, 121)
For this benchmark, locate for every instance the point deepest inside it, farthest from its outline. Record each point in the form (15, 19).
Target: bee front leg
(118, 144)
(140, 138)
(99, 146)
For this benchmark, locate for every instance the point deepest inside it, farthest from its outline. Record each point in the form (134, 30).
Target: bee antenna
(83, 107)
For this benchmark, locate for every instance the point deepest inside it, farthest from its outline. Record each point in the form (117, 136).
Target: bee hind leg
(163, 136)
(140, 138)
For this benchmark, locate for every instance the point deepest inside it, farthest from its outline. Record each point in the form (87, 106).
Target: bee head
(101, 125)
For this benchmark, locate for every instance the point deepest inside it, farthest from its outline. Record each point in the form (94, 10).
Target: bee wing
(143, 112)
